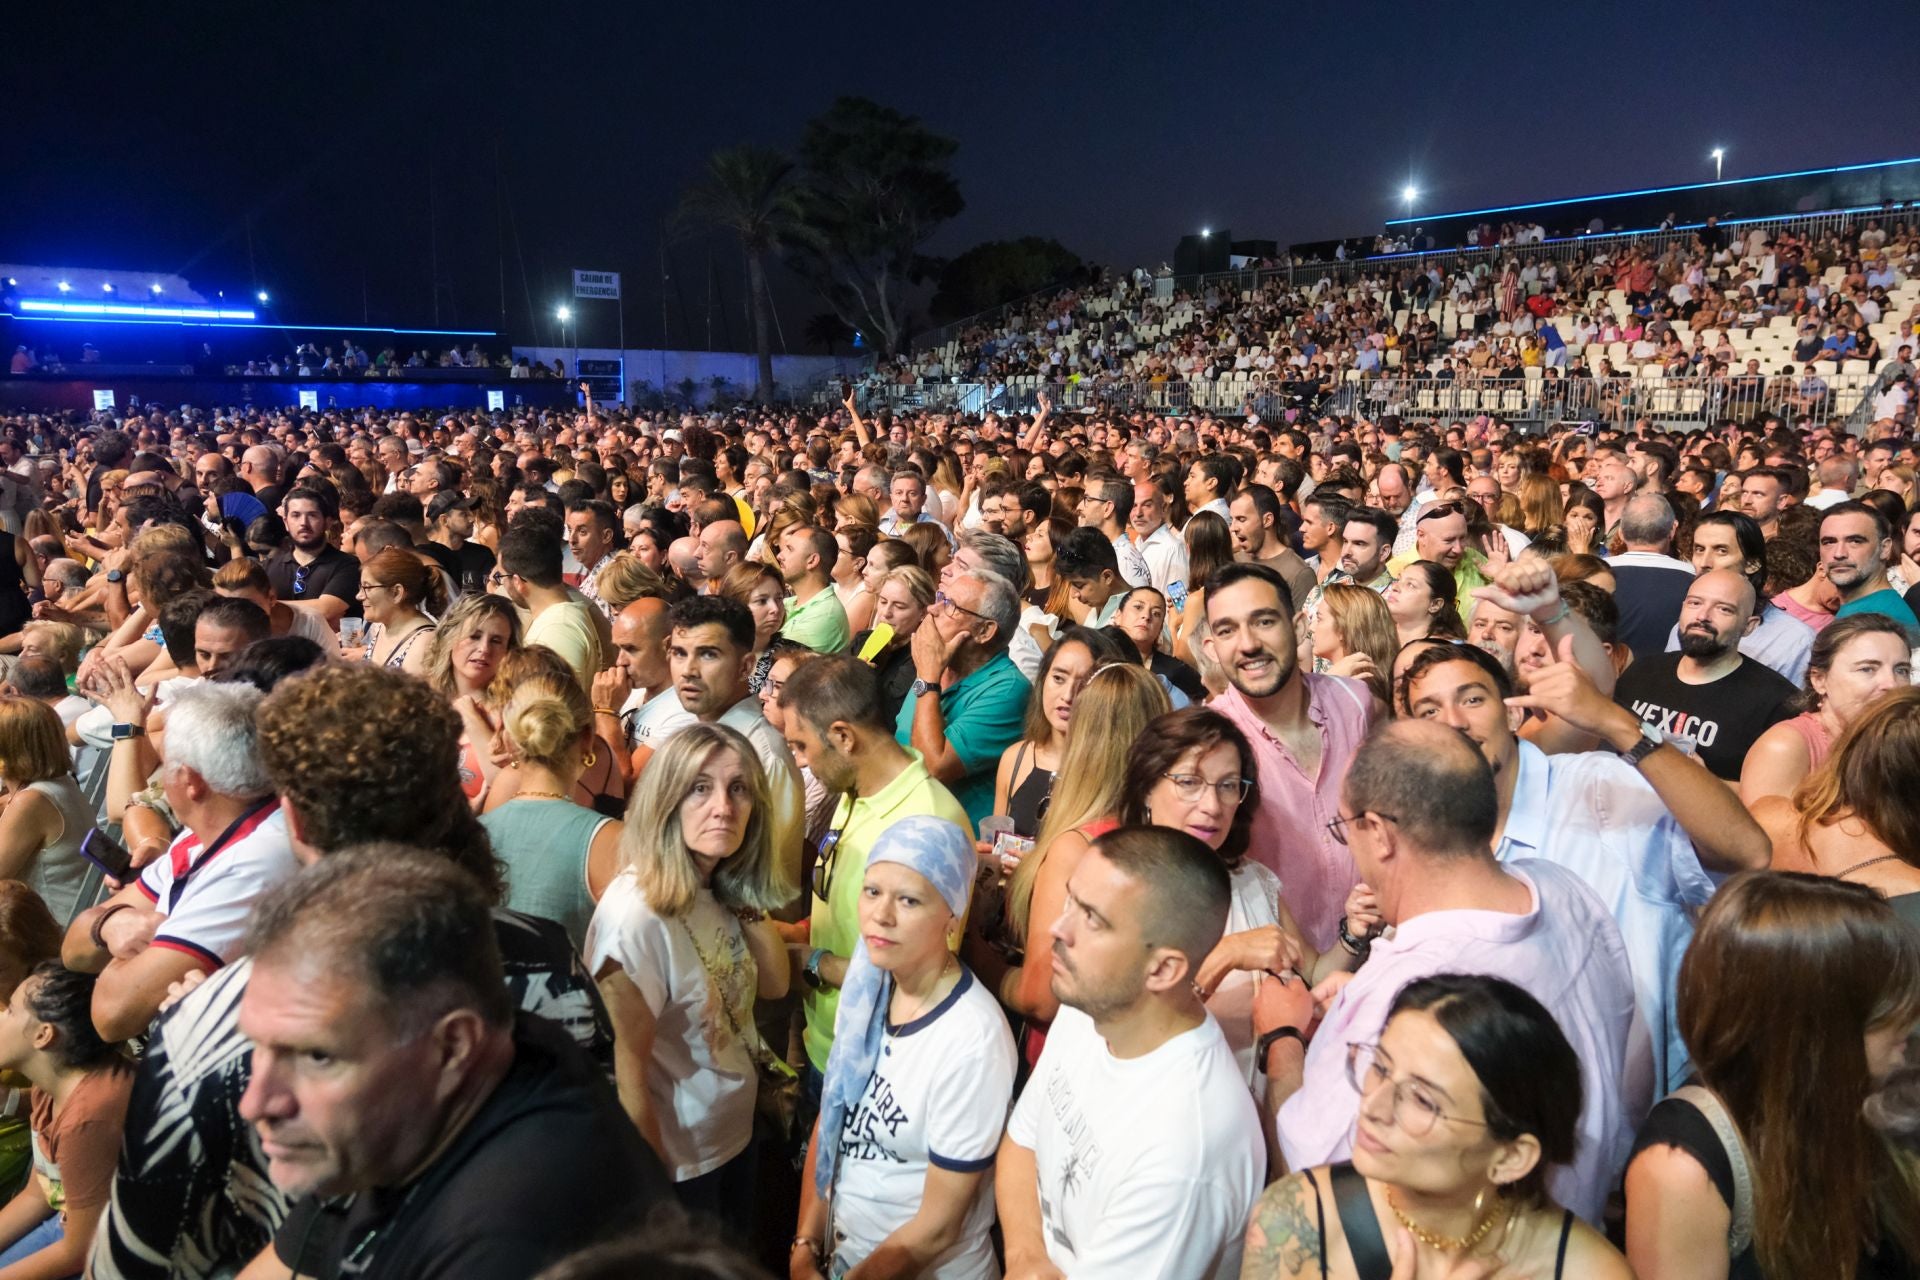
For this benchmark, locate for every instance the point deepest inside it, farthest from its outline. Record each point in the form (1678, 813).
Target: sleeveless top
(1361, 1223)
(1033, 1036)
(59, 873)
(1814, 733)
(397, 660)
(1027, 805)
(544, 845)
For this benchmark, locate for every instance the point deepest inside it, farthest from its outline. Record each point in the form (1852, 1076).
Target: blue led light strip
(1647, 191)
(109, 309)
(219, 324)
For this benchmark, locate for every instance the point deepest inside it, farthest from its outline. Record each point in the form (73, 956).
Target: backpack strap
(1708, 1104)
(1361, 1223)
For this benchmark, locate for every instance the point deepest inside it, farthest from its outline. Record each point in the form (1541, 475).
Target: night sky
(154, 143)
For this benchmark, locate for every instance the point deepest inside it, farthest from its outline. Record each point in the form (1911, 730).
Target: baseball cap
(447, 500)
(671, 433)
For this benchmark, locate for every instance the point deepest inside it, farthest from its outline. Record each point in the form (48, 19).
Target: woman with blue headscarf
(918, 1085)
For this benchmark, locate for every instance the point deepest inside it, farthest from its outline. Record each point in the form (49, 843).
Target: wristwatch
(115, 575)
(810, 973)
(920, 688)
(1266, 1042)
(121, 732)
(1651, 740)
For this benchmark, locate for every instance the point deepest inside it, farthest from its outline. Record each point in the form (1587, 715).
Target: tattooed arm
(1283, 1240)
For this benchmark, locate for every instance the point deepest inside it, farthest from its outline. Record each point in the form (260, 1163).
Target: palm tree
(747, 192)
(827, 330)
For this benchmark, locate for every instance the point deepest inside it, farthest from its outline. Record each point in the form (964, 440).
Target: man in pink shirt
(1304, 730)
(1419, 812)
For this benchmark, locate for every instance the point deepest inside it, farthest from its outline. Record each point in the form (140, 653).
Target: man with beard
(529, 577)
(1304, 730)
(1135, 1147)
(1854, 545)
(314, 574)
(1108, 507)
(1707, 698)
(450, 527)
(1260, 535)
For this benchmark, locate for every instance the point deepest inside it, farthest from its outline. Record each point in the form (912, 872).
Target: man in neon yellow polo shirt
(835, 724)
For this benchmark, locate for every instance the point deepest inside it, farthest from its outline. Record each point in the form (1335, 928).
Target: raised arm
(1724, 834)
(859, 424)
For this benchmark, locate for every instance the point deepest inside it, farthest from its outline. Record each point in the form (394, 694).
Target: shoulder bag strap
(1708, 1104)
(1371, 1261)
(1320, 1217)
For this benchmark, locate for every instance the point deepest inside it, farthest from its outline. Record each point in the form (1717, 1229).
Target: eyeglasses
(1191, 786)
(1415, 1110)
(496, 578)
(1337, 828)
(946, 601)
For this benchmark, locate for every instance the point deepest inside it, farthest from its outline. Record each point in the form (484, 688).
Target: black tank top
(1361, 1223)
(1027, 806)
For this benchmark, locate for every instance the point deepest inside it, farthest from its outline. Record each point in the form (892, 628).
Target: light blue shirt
(1781, 642)
(1593, 814)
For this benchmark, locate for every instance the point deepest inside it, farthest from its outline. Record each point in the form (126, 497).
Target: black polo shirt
(550, 1164)
(332, 573)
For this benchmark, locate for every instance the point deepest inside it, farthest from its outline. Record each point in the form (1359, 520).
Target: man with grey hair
(1650, 582)
(979, 549)
(968, 701)
(1839, 477)
(187, 911)
(444, 1136)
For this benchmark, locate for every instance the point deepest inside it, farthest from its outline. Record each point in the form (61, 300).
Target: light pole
(564, 315)
(1719, 155)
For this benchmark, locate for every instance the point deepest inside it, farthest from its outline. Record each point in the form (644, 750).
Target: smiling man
(420, 1128)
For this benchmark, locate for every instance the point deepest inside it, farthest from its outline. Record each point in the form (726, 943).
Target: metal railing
(1669, 401)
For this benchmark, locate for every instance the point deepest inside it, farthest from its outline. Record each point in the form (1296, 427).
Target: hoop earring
(1478, 1201)
(588, 762)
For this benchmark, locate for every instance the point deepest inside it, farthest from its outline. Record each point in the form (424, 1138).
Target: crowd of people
(588, 844)
(1785, 311)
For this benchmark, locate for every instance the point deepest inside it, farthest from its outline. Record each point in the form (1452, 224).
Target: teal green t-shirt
(984, 713)
(1887, 601)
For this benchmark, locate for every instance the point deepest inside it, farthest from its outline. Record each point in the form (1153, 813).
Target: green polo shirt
(984, 714)
(835, 919)
(820, 623)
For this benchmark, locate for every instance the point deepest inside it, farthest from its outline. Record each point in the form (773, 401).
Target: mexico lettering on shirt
(1680, 723)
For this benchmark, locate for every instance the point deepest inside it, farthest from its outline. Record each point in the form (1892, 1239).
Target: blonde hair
(655, 848)
(624, 579)
(1113, 709)
(164, 537)
(857, 508)
(474, 608)
(63, 641)
(240, 575)
(33, 745)
(1366, 626)
(546, 716)
(917, 581)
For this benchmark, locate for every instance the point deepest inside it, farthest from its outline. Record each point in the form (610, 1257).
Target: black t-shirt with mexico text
(1722, 718)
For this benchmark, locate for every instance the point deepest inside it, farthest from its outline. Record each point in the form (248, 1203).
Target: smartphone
(105, 853)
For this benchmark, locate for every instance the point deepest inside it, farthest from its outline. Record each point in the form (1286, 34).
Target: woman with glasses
(1111, 711)
(682, 948)
(398, 591)
(1193, 770)
(1467, 1102)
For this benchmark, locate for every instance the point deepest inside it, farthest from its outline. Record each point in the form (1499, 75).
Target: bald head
(1431, 782)
(1717, 612)
(640, 642)
(723, 544)
(683, 557)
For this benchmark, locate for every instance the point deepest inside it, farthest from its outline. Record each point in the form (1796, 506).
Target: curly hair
(363, 754)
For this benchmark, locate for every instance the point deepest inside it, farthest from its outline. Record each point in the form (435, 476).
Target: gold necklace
(1434, 1240)
(540, 795)
(933, 994)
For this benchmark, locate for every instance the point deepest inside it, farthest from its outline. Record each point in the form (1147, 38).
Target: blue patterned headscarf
(943, 853)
